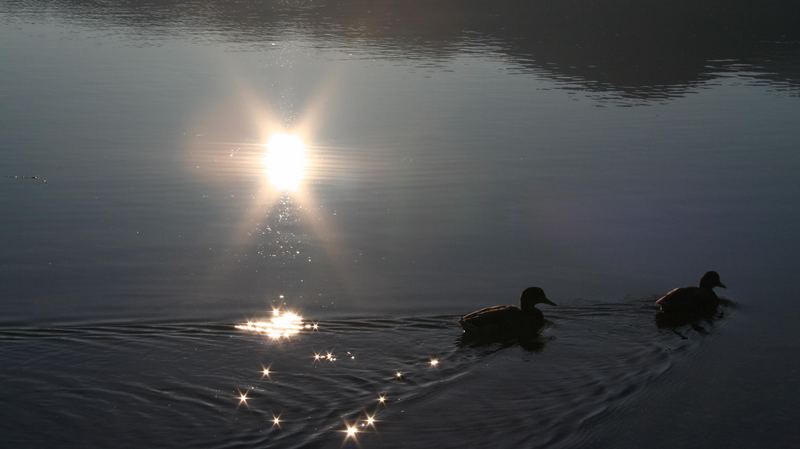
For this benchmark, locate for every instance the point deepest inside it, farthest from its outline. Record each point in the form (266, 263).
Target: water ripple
(167, 379)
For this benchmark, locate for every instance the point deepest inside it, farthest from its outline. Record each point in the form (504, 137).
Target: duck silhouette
(504, 322)
(693, 301)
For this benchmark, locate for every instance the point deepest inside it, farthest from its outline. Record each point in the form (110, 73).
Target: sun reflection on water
(282, 324)
(285, 161)
(286, 323)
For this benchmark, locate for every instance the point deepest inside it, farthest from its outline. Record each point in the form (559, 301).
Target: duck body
(692, 301)
(506, 321)
(689, 300)
(502, 322)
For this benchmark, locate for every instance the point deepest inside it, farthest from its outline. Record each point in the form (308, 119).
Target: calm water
(457, 153)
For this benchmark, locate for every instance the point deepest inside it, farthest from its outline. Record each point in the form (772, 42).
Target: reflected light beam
(281, 156)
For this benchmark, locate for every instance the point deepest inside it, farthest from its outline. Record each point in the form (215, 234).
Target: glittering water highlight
(282, 324)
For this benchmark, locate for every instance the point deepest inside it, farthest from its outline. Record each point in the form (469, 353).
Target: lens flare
(285, 161)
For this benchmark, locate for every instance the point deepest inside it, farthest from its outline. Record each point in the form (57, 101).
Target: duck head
(711, 280)
(532, 296)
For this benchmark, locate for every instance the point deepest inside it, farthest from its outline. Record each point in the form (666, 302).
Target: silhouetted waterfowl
(508, 321)
(693, 301)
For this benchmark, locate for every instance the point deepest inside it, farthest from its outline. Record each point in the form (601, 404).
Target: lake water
(457, 152)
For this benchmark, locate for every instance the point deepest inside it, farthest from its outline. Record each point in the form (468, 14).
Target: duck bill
(720, 284)
(547, 301)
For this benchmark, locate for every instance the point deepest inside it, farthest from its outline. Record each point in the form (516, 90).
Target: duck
(693, 300)
(508, 321)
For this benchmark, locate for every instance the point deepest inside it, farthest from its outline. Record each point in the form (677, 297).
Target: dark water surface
(458, 152)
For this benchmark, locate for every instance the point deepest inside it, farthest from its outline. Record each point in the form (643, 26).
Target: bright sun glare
(282, 324)
(285, 161)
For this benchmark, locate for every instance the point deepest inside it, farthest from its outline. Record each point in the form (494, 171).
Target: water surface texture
(456, 153)
(180, 384)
